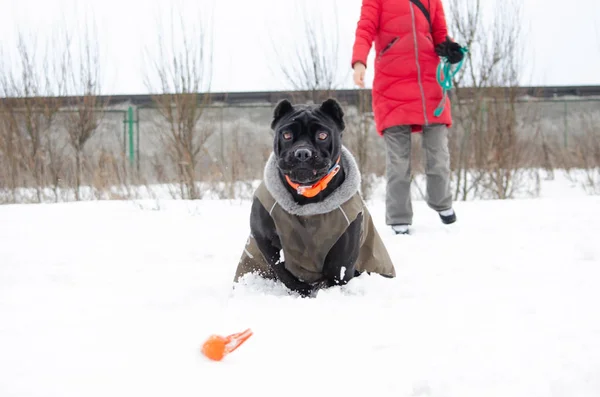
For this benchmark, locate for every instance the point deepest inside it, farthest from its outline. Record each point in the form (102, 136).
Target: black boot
(448, 216)
(400, 228)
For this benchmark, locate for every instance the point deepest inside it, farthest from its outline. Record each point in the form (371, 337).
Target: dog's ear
(332, 108)
(283, 107)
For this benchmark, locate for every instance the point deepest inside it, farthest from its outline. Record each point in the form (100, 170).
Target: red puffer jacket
(405, 87)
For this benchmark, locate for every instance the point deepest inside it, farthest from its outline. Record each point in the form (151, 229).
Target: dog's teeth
(314, 172)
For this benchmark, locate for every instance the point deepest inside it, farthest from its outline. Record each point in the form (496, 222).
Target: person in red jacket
(409, 36)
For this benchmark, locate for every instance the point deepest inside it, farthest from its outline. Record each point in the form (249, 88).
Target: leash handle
(445, 74)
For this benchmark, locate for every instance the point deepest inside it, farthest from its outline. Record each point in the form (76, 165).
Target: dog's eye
(322, 135)
(287, 135)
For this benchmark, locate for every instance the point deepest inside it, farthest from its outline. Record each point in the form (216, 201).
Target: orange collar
(312, 191)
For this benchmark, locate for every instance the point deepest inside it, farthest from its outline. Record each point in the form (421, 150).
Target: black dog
(309, 206)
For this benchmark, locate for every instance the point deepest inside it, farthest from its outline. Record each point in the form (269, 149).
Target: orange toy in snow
(216, 346)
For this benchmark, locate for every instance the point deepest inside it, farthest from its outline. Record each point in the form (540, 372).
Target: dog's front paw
(307, 292)
(291, 282)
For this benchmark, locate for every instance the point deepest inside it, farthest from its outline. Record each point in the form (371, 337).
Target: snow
(115, 298)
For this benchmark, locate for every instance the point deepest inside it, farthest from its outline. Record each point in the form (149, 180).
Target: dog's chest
(306, 240)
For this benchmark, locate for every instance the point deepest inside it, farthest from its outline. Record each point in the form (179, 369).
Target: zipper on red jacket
(388, 46)
(412, 13)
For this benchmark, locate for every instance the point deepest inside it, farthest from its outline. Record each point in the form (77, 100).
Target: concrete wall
(240, 138)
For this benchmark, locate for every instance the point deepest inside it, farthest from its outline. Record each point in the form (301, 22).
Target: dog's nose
(303, 154)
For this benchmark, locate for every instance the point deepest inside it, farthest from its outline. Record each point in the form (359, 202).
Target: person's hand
(359, 74)
(451, 50)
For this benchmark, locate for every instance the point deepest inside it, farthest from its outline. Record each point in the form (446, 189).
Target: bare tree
(81, 67)
(10, 162)
(180, 75)
(57, 161)
(9, 138)
(28, 111)
(231, 166)
(308, 62)
(488, 147)
(35, 105)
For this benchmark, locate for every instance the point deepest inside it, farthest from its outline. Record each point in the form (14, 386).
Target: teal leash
(445, 74)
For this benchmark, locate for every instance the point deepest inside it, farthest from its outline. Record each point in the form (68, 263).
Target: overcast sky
(563, 43)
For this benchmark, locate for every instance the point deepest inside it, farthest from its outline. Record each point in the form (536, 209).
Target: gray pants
(398, 171)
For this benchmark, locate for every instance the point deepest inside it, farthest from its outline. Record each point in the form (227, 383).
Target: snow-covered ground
(115, 299)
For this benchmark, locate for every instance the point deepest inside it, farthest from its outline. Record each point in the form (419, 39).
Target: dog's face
(308, 139)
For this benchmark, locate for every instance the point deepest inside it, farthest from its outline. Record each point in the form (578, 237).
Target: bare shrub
(489, 154)
(27, 109)
(180, 75)
(28, 83)
(10, 161)
(583, 164)
(504, 168)
(547, 153)
(56, 157)
(50, 76)
(109, 178)
(82, 124)
(235, 168)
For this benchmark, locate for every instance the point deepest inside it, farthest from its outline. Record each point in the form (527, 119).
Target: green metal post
(131, 144)
(137, 138)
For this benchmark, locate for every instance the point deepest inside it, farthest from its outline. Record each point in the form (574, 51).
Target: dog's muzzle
(303, 154)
